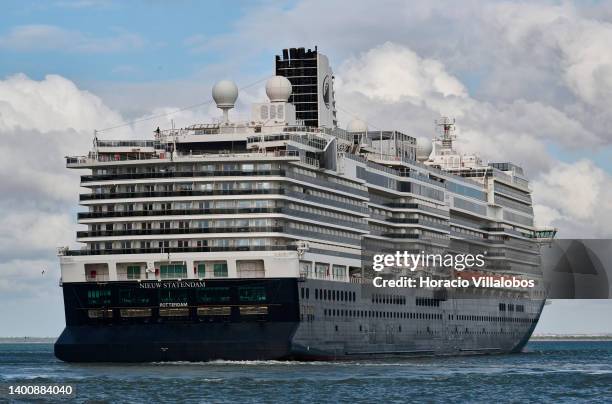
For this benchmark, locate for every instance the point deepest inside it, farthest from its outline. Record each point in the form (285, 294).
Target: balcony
(395, 234)
(163, 194)
(313, 141)
(96, 278)
(441, 226)
(167, 250)
(92, 159)
(401, 235)
(418, 206)
(179, 174)
(305, 196)
(356, 225)
(328, 184)
(96, 272)
(127, 143)
(175, 212)
(143, 232)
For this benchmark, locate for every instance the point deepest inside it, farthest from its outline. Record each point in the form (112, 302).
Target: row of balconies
(306, 196)
(422, 222)
(175, 212)
(179, 174)
(108, 159)
(205, 211)
(167, 250)
(186, 223)
(200, 230)
(398, 205)
(178, 193)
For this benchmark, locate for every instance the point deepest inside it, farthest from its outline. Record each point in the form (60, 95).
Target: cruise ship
(254, 239)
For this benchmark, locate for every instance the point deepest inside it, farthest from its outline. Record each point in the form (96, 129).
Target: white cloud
(34, 233)
(392, 86)
(549, 56)
(36, 37)
(28, 293)
(577, 198)
(392, 73)
(390, 83)
(54, 103)
(40, 123)
(580, 46)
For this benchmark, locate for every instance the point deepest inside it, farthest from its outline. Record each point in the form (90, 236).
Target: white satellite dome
(278, 89)
(225, 94)
(357, 125)
(423, 149)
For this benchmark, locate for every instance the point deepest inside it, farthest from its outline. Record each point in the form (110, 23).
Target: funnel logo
(326, 90)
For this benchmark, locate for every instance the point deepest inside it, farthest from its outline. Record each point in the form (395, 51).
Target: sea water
(546, 372)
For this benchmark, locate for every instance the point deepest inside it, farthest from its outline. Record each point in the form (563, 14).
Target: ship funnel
(225, 94)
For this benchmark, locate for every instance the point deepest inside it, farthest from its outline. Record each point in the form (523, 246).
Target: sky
(528, 82)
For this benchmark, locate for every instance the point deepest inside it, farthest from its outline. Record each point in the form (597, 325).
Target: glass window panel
(252, 294)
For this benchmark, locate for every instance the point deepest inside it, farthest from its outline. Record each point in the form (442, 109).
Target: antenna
(446, 126)
(95, 143)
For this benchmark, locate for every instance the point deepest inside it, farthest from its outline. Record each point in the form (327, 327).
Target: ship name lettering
(171, 285)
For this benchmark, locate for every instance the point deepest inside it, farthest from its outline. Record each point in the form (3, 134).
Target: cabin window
(133, 272)
(99, 297)
(339, 271)
(252, 294)
(173, 271)
(173, 296)
(201, 270)
(220, 270)
(133, 297)
(213, 295)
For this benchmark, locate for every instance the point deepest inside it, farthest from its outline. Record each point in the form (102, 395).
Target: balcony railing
(205, 230)
(167, 250)
(175, 212)
(98, 278)
(326, 201)
(179, 174)
(117, 157)
(397, 235)
(127, 143)
(505, 230)
(362, 225)
(418, 206)
(442, 226)
(179, 193)
(312, 141)
(327, 184)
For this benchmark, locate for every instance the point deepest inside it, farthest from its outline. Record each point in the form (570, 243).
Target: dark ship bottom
(283, 319)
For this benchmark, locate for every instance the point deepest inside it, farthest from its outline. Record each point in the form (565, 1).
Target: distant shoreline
(571, 338)
(27, 340)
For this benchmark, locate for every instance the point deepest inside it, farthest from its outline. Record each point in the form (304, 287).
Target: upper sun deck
(274, 132)
(92, 160)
